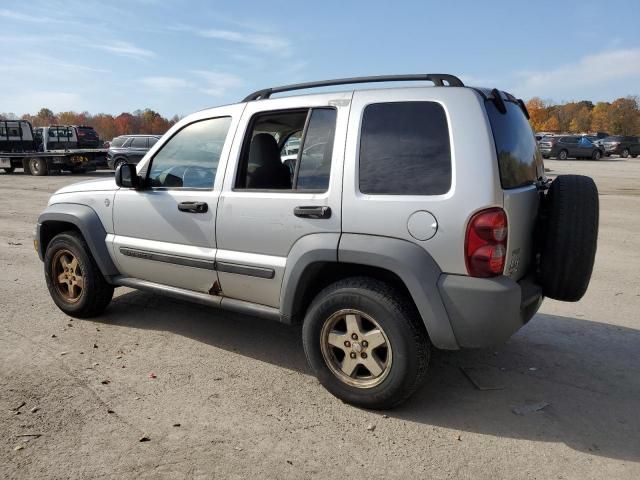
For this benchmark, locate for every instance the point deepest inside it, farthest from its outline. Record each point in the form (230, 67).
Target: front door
(273, 197)
(165, 233)
(137, 148)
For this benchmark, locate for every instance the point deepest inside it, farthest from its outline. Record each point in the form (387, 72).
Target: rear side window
(152, 141)
(405, 149)
(519, 160)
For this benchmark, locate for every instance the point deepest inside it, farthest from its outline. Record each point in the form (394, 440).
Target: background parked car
(622, 145)
(570, 146)
(129, 149)
(87, 137)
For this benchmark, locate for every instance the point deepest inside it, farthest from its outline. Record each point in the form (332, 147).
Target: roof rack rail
(439, 79)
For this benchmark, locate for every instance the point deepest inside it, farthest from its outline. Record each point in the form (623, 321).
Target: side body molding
(310, 249)
(89, 224)
(415, 267)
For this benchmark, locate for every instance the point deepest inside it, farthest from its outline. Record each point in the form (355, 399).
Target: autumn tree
(537, 113)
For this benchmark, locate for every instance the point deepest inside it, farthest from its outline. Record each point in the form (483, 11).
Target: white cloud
(258, 41)
(217, 84)
(165, 84)
(21, 17)
(125, 49)
(590, 71)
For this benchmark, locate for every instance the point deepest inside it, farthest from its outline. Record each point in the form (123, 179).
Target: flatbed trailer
(48, 150)
(43, 163)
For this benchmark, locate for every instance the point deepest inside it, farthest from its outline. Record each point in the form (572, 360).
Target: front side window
(405, 149)
(190, 158)
(139, 142)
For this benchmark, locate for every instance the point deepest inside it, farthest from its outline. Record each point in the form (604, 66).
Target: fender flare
(85, 219)
(418, 271)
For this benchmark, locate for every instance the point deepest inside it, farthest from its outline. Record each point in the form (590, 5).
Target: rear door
(258, 224)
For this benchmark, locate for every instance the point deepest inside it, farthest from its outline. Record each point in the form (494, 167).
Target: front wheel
(625, 153)
(9, 170)
(118, 163)
(597, 155)
(563, 155)
(366, 343)
(74, 280)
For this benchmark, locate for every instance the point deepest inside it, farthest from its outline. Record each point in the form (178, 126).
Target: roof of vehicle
(139, 135)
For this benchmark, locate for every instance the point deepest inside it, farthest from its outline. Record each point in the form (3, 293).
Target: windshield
(519, 160)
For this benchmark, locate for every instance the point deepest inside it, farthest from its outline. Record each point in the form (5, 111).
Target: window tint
(519, 160)
(404, 149)
(315, 160)
(152, 141)
(190, 158)
(139, 142)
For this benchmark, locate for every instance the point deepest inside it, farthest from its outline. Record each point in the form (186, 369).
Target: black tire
(625, 153)
(9, 170)
(38, 167)
(569, 237)
(563, 155)
(596, 155)
(25, 166)
(95, 294)
(396, 316)
(635, 155)
(118, 162)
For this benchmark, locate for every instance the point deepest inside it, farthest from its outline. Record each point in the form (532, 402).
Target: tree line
(108, 126)
(620, 117)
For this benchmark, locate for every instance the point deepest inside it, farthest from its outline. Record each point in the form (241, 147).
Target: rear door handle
(193, 207)
(312, 212)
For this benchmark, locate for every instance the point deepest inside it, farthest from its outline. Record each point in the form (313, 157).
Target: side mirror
(127, 177)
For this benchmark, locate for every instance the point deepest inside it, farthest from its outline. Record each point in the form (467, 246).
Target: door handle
(193, 207)
(312, 212)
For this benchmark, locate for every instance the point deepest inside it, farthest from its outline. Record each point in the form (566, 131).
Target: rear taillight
(486, 243)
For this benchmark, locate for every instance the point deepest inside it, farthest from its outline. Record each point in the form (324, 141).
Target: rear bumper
(487, 311)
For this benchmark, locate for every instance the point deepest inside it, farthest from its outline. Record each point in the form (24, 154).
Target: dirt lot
(247, 406)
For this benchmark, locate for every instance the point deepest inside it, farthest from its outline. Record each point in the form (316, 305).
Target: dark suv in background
(622, 145)
(129, 149)
(87, 137)
(569, 146)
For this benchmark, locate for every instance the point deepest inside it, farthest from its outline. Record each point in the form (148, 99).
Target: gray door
(166, 232)
(266, 207)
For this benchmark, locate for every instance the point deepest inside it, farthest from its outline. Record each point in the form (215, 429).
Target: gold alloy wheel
(355, 348)
(67, 276)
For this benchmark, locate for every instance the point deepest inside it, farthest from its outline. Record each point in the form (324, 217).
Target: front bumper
(484, 312)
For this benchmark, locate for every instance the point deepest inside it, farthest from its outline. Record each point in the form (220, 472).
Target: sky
(177, 57)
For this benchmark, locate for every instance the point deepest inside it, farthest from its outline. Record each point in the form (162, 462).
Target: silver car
(410, 219)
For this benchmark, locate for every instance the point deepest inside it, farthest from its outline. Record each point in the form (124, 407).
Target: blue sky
(180, 56)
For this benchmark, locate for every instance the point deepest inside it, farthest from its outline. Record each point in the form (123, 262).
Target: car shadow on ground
(560, 379)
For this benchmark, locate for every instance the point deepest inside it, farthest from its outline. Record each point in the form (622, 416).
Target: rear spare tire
(569, 237)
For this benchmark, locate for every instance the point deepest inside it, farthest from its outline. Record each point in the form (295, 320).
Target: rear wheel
(9, 169)
(596, 155)
(74, 280)
(635, 155)
(569, 237)
(563, 155)
(38, 167)
(366, 343)
(625, 153)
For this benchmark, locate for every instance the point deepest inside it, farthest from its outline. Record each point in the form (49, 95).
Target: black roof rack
(439, 79)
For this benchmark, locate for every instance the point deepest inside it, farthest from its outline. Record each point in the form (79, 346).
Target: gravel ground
(232, 396)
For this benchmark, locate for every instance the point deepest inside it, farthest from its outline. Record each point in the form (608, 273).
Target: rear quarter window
(405, 149)
(519, 160)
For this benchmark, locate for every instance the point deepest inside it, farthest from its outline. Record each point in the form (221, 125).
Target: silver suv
(409, 219)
